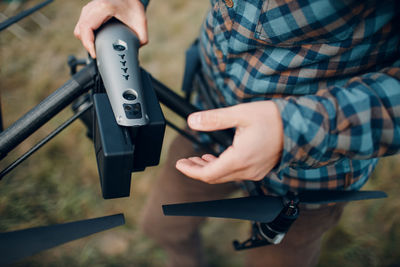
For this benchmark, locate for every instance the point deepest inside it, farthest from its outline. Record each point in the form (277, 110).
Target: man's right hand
(95, 13)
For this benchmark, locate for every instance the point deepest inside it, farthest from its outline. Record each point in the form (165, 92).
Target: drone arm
(7, 23)
(45, 110)
(183, 108)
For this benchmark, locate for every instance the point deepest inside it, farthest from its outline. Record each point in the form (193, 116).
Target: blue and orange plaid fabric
(333, 69)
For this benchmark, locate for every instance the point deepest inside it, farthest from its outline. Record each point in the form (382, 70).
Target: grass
(60, 182)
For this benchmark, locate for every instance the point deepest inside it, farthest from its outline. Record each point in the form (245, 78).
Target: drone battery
(149, 138)
(122, 150)
(114, 150)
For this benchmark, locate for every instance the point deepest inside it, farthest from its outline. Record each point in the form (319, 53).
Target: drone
(118, 102)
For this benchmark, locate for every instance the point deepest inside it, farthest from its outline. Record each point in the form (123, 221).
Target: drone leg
(256, 240)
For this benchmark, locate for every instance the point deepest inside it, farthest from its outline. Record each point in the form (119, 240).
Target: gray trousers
(180, 237)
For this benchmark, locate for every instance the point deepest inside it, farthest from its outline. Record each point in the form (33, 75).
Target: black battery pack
(114, 150)
(122, 150)
(149, 138)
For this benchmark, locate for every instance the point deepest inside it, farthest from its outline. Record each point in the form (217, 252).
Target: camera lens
(129, 95)
(119, 45)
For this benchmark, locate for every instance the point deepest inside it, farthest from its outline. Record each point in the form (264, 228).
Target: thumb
(216, 119)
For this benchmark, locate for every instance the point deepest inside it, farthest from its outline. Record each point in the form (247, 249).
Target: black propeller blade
(329, 196)
(263, 208)
(17, 245)
(255, 208)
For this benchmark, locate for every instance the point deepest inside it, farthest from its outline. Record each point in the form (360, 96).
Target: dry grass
(60, 183)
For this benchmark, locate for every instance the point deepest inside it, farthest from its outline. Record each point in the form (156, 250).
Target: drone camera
(119, 46)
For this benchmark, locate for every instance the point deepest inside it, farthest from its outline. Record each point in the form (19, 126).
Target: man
(312, 89)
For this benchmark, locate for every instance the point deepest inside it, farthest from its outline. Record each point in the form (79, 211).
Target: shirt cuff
(306, 134)
(286, 157)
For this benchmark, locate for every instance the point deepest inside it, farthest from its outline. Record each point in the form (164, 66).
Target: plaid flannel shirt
(332, 68)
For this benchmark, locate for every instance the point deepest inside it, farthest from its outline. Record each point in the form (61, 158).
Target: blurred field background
(60, 182)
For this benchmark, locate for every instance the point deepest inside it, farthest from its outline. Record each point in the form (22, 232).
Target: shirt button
(229, 3)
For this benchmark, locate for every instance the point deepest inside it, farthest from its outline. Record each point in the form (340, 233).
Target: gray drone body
(118, 46)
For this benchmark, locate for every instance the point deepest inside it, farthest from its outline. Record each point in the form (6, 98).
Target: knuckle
(107, 6)
(145, 40)
(82, 33)
(76, 33)
(87, 7)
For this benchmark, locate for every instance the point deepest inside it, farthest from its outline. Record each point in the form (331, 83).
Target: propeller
(20, 244)
(263, 209)
(329, 196)
(257, 208)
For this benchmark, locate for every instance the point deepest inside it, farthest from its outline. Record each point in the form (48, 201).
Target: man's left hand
(256, 148)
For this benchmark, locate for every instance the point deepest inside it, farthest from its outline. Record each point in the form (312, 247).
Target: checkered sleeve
(360, 120)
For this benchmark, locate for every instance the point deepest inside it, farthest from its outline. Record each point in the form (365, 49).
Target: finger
(224, 165)
(217, 119)
(141, 31)
(183, 164)
(233, 175)
(92, 17)
(191, 169)
(213, 170)
(209, 157)
(135, 19)
(198, 161)
(139, 26)
(77, 32)
(87, 38)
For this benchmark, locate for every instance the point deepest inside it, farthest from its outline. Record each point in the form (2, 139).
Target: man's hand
(97, 12)
(256, 148)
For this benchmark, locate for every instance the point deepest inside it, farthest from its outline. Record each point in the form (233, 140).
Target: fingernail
(194, 119)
